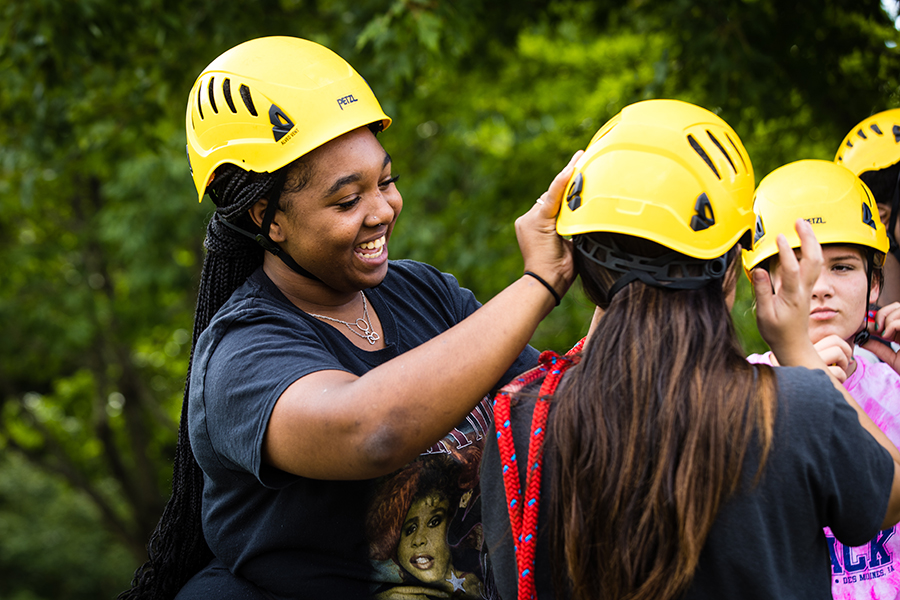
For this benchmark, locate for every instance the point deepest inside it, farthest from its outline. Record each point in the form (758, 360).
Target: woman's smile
(373, 249)
(338, 226)
(423, 562)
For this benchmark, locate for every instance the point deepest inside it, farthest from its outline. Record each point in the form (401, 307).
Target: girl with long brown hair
(657, 463)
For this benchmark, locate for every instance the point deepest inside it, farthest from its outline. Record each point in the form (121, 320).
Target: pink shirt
(871, 571)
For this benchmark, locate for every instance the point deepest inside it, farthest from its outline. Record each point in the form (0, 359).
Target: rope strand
(523, 518)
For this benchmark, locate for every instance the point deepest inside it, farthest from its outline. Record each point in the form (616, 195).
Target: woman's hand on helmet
(544, 251)
(886, 327)
(783, 316)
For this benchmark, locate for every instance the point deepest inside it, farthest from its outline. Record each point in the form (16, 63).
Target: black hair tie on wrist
(546, 285)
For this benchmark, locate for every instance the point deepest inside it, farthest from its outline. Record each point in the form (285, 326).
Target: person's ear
(884, 213)
(875, 290)
(257, 214)
(258, 210)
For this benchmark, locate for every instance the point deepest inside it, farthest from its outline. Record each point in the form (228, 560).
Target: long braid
(177, 549)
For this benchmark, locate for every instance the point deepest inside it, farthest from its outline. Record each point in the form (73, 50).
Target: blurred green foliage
(66, 552)
(100, 234)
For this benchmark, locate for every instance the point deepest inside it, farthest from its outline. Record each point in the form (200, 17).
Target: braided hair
(177, 549)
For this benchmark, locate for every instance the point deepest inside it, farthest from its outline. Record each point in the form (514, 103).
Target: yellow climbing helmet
(837, 204)
(666, 171)
(873, 144)
(268, 101)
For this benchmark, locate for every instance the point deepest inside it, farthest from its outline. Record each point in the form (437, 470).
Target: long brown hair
(651, 430)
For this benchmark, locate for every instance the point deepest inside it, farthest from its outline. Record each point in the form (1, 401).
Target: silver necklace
(361, 327)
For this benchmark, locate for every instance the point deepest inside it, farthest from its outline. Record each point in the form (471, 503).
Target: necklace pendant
(363, 326)
(367, 332)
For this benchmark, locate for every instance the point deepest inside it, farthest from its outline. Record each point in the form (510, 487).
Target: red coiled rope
(524, 518)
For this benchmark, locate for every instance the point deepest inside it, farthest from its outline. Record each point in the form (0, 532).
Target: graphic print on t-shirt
(869, 571)
(424, 524)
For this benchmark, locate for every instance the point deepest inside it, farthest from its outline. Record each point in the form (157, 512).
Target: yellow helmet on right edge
(832, 199)
(666, 171)
(873, 144)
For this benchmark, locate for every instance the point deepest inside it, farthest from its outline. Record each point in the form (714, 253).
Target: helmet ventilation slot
(199, 103)
(212, 96)
(733, 145)
(722, 150)
(574, 197)
(699, 150)
(868, 194)
(874, 127)
(760, 229)
(226, 91)
(867, 217)
(248, 100)
(860, 133)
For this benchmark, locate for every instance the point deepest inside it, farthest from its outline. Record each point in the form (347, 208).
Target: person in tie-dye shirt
(844, 217)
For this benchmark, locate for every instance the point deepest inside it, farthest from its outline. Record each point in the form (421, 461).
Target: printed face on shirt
(423, 551)
(838, 304)
(338, 225)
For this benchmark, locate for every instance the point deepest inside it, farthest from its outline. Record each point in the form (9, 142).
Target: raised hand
(783, 313)
(544, 251)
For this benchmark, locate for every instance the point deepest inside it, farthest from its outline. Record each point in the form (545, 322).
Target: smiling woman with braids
(660, 464)
(318, 369)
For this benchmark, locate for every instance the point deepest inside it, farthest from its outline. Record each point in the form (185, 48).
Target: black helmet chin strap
(262, 238)
(265, 242)
(863, 336)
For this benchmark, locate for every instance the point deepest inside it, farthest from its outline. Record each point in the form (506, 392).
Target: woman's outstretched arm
(334, 425)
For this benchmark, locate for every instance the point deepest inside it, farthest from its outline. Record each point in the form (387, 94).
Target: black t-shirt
(296, 537)
(767, 541)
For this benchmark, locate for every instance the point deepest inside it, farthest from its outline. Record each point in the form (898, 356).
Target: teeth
(373, 245)
(377, 245)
